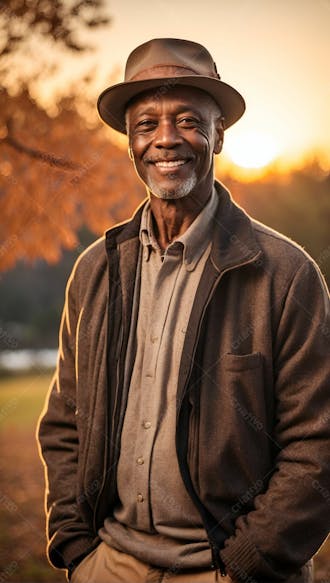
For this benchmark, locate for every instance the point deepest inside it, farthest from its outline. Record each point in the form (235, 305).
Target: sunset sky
(275, 52)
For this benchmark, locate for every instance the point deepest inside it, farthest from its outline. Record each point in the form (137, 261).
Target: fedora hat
(162, 64)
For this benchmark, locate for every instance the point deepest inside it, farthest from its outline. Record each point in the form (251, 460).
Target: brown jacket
(252, 419)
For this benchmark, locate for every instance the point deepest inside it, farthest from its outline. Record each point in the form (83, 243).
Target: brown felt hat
(164, 63)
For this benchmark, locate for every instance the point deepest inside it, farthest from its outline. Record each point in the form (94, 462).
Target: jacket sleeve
(290, 520)
(69, 537)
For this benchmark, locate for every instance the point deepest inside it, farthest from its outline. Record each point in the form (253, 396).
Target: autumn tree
(57, 172)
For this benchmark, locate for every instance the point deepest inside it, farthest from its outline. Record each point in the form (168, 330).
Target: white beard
(181, 191)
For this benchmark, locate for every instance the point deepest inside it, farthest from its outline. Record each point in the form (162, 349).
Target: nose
(167, 135)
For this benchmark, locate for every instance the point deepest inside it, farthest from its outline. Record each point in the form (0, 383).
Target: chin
(173, 193)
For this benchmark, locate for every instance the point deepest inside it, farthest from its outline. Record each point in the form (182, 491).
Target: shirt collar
(194, 241)
(147, 236)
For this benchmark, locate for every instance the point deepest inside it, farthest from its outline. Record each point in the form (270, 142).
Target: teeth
(169, 163)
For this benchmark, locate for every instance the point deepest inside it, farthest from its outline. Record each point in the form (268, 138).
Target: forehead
(182, 97)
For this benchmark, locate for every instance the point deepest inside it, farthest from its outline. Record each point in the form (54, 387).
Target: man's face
(172, 138)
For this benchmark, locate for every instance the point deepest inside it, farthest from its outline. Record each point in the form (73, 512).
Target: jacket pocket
(241, 362)
(242, 393)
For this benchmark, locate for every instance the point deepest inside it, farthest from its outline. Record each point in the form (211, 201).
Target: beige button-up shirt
(156, 520)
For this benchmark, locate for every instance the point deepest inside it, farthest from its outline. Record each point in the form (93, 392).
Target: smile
(170, 163)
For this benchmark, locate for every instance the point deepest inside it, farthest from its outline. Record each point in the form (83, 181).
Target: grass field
(22, 524)
(22, 538)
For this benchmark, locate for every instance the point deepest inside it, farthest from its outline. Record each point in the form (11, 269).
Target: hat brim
(112, 102)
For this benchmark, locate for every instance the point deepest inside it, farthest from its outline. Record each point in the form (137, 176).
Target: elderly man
(185, 436)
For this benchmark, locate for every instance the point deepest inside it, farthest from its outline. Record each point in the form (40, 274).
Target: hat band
(167, 71)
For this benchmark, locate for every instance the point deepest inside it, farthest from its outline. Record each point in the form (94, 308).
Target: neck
(173, 217)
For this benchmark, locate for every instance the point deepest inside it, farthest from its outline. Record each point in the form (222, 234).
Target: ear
(219, 135)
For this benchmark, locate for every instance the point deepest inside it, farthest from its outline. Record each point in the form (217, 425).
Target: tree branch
(40, 155)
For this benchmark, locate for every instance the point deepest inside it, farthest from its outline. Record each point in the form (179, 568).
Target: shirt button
(154, 339)
(139, 498)
(146, 424)
(140, 461)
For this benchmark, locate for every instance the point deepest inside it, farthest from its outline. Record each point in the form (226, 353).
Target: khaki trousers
(106, 565)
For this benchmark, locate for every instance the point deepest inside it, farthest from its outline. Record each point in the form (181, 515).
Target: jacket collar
(126, 230)
(234, 242)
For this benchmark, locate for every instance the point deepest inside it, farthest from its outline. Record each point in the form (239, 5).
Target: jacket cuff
(69, 554)
(241, 558)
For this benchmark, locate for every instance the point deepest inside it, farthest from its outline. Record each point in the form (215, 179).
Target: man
(186, 435)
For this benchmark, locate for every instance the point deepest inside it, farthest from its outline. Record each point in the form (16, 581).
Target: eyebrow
(150, 110)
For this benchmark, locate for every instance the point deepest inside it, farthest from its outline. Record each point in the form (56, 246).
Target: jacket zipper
(217, 564)
(106, 451)
(105, 465)
(115, 406)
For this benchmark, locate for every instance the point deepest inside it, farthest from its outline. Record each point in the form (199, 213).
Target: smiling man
(185, 437)
(173, 140)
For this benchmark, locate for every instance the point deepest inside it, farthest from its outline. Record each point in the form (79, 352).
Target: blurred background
(65, 178)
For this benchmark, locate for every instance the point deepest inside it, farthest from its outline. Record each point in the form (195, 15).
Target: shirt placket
(152, 399)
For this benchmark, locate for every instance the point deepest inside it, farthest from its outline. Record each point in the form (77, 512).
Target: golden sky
(275, 52)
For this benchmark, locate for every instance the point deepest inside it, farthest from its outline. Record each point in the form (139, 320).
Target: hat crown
(169, 57)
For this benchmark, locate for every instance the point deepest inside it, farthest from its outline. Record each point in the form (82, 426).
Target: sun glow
(251, 149)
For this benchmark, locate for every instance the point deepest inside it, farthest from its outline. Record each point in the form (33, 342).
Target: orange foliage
(57, 174)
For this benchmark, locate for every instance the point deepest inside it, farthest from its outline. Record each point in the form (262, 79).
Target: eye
(188, 121)
(145, 124)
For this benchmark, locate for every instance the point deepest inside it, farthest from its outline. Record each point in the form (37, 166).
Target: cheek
(139, 144)
(137, 150)
(203, 146)
(201, 139)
